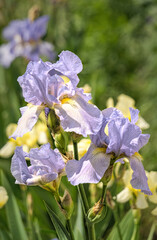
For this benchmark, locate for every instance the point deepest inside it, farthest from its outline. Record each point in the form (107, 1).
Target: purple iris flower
(24, 39)
(124, 140)
(54, 86)
(46, 165)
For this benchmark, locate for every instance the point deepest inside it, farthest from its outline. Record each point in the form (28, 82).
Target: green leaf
(4, 235)
(126, 227)
(79, 230)
(59, 227)
(13, 213)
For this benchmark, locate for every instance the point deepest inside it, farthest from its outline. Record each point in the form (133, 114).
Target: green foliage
(126, 228)
(116, 41)
(60, 229)
(16, 225)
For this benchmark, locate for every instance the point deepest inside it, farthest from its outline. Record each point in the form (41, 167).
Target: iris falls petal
(90, 168)
(27, 121)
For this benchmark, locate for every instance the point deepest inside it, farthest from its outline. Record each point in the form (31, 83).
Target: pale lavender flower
(54, 86)
(46, 165)
(124, 139)
(24, 38)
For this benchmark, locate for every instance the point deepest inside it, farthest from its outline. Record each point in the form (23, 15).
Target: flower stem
(91, 232)
(90, 226)
(116, 217)
(75, 150)
(69, 227)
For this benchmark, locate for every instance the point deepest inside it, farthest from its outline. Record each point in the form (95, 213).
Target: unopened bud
(53, 122)
(61, 141)
(34, 12)
(97, 212)
(67, 204)
(107, 176)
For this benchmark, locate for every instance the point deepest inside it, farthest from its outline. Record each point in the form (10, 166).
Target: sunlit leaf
(60, 229)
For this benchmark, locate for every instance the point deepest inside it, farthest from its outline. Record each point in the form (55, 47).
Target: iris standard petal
(77, 115)
(34, 83)
(125, 137)
(90, 168)
(101, 139)
(69, 65)
(27, 121)
(139, 179)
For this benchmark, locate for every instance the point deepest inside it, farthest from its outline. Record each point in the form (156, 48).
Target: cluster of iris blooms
(51, 88)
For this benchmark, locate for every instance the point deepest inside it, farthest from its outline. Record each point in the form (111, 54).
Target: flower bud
(107, 176)
(97, 212)
(53, 121)
(34, 12)
(61, 141)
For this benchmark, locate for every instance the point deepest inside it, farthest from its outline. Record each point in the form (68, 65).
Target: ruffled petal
(69, 65)
(45, 156)
(101, 139)
(90, 168)
(139, 179)
(76, 115)
(19, 167)
(27, 121)
(125, 137)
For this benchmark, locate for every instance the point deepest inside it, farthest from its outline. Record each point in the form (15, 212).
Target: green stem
(90, 226)
(75, 150)
(135, 232)
(52, 139)
(116, 217)
(70, 229)
(83, 198)
(103, 193)
(91, 232)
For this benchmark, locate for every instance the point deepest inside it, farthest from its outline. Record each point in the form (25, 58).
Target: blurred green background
(117, 43)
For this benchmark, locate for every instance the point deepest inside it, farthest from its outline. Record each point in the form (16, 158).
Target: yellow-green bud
(53, 121)
(97, 212)
(107, 176)
(61, 141)
(34, 12)
(67, 205)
